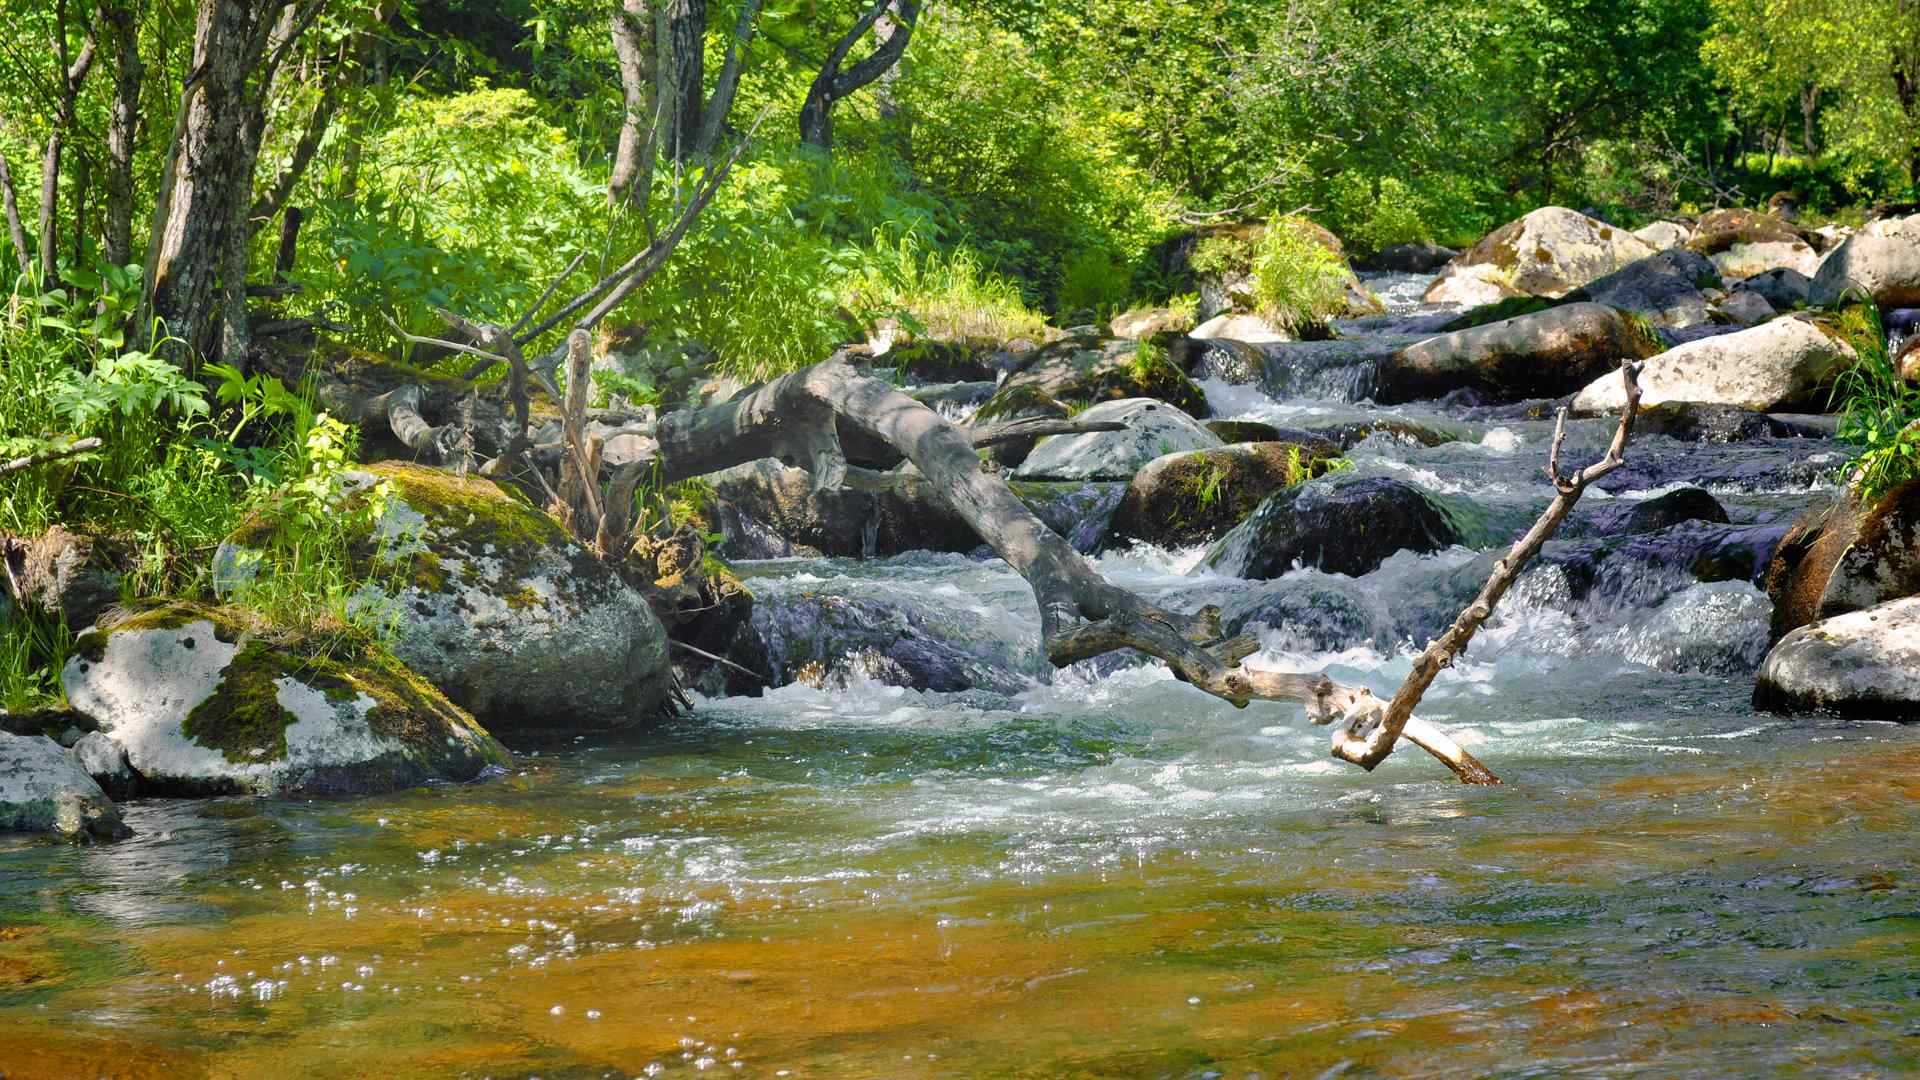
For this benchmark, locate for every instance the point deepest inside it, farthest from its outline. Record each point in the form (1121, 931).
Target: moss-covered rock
(204, 701)
(1549, 252)
(1842, 557)
(1545, 354)
(1720, 230)
(495, 603)
(1092, 370)
(1185, 499)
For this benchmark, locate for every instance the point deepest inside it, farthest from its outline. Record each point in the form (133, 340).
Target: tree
(891, 22)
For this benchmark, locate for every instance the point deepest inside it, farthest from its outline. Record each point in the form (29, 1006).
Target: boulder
(1237, 431)
(1782, 287)
(925, 362)
(1344, 526)
(767, 510)
(1883, 258)
(1142, 323)
(1780, 365)
(42, 790)
(1471, 286)
(1088, 369)
(1663, 235)
(1549, 252)
(106, 762)
(1349, 435)
(204, 704)
(1154, 428)
(1181, 500)
(1743, 309)
(1411, 258)
(1694, 421)
(1623, 517)
(1664, 287)
(1545, 354)
(1252, 329)
(495, 603)
(1745, 260)
(1864, 664)
(824, 639)
(1719, 230)
(1078, 510)
(1840, 557)
(1907, 363)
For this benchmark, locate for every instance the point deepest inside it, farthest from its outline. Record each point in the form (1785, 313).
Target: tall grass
(1880, 411)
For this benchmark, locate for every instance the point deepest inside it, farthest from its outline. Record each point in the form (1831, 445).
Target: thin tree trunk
(834, 83)
(122, 19)
(682, 73)
(10, 202)
(73, 73)
(714, 117)
(633, 49)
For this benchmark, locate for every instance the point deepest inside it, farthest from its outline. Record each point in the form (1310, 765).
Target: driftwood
(70, 450)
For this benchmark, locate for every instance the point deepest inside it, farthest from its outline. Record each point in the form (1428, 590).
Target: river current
(1088, 873)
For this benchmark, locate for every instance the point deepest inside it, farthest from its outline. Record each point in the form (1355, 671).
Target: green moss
(1020, 400)
(1499, 311)
(243, 718)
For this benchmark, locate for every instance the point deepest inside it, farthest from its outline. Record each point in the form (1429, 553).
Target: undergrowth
(1880, 411)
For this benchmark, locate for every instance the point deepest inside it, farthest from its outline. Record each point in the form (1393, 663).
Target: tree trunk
(834, 83)
(73, 73)
(681, 34)
(10, 205)
(122, 19)
(633, 48)
(1809, 107)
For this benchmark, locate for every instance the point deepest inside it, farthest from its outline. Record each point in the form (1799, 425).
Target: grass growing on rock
(1880, 411)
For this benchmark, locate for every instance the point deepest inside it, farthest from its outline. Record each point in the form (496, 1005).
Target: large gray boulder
(1154, 429)
(204, 704)
(1743, 261)
(1782, 287)
(1094, 369)
(495, 603)
(1777, 366)
(1341, 525)
(1549, 252)
(1841, 557)
(1664, 287)
(43, 790)
(1543, 354)
(1883, 258)
(1865, 664)
(1723, 229)
(1662, 235)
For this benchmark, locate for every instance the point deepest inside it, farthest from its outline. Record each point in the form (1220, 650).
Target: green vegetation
(1880, 411)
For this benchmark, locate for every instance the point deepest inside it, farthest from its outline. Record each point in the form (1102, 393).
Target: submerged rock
(1620, 517)
(821, 639)
(1153, 429)
(203, 705)
(1193, 498)
(1840, 557)
(1544, 354)
(1549, 252)
(1346, 526)
(1882, 259)
(43, 790)
(1864, 663)
(1696, 421)
(1783, 364)
(495, 603)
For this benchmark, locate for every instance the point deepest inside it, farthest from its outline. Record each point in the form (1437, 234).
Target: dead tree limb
(1367, 736)
(70, 450)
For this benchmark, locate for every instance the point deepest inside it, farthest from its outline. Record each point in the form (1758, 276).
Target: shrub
(1880, 411)
(1297, 281)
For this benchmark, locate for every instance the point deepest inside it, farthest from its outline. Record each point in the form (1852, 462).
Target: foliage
(1297, 281)
(1880, 411)
(945, 296)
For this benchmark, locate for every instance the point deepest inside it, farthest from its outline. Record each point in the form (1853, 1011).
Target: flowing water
(1095, 872)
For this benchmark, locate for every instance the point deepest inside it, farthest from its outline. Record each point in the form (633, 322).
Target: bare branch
(70, 450)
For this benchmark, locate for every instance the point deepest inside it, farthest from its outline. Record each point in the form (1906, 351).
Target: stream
(1096, 872)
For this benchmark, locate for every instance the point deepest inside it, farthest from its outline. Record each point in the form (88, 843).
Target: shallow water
(1096, 872)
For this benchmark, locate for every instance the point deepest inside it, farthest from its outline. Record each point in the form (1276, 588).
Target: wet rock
(925, 362)
(202, 704)
(1181, 500)
(1780, 365)
(823, 639)
(1743, 261)
(1840, 557)
(1544, 354)
(1620, 517)
(1085, 369)
(1632, 565)
(1143, 323)
(1864, 663)
(1743, 309)
(1415, 258)
(1238, 431)
(767, 510)
(1153, 428)
(1252, 329)
(1783, 288)
(1309, 615)
(1346, 526)
(1549, 252)
(1908, 362)
(496, 604)
(1349, 435)
(1883, 259)
(106, 762)
(1078, 510)
(1695, 421)
(62, 575)
(1342, 370)
(1664, 287)
(1664, 235)
(1719, 230)
(42, 790)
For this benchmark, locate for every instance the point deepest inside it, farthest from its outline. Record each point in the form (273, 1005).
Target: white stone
(1775, 365)
(1154, 429)
(1248, 328)
(1863, 663)
(42, 789)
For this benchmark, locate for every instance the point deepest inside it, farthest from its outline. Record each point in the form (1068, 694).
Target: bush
(1297, 281)
(1880, 411)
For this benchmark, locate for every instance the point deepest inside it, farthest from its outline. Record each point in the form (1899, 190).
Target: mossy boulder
(1092, 370)
(1864, 664)
(205, 701)
(43, 790)
(1185, 499)
(1721, 230)
(1842, 557)
(1549, 252)
(1545, 354)
(495, 603)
